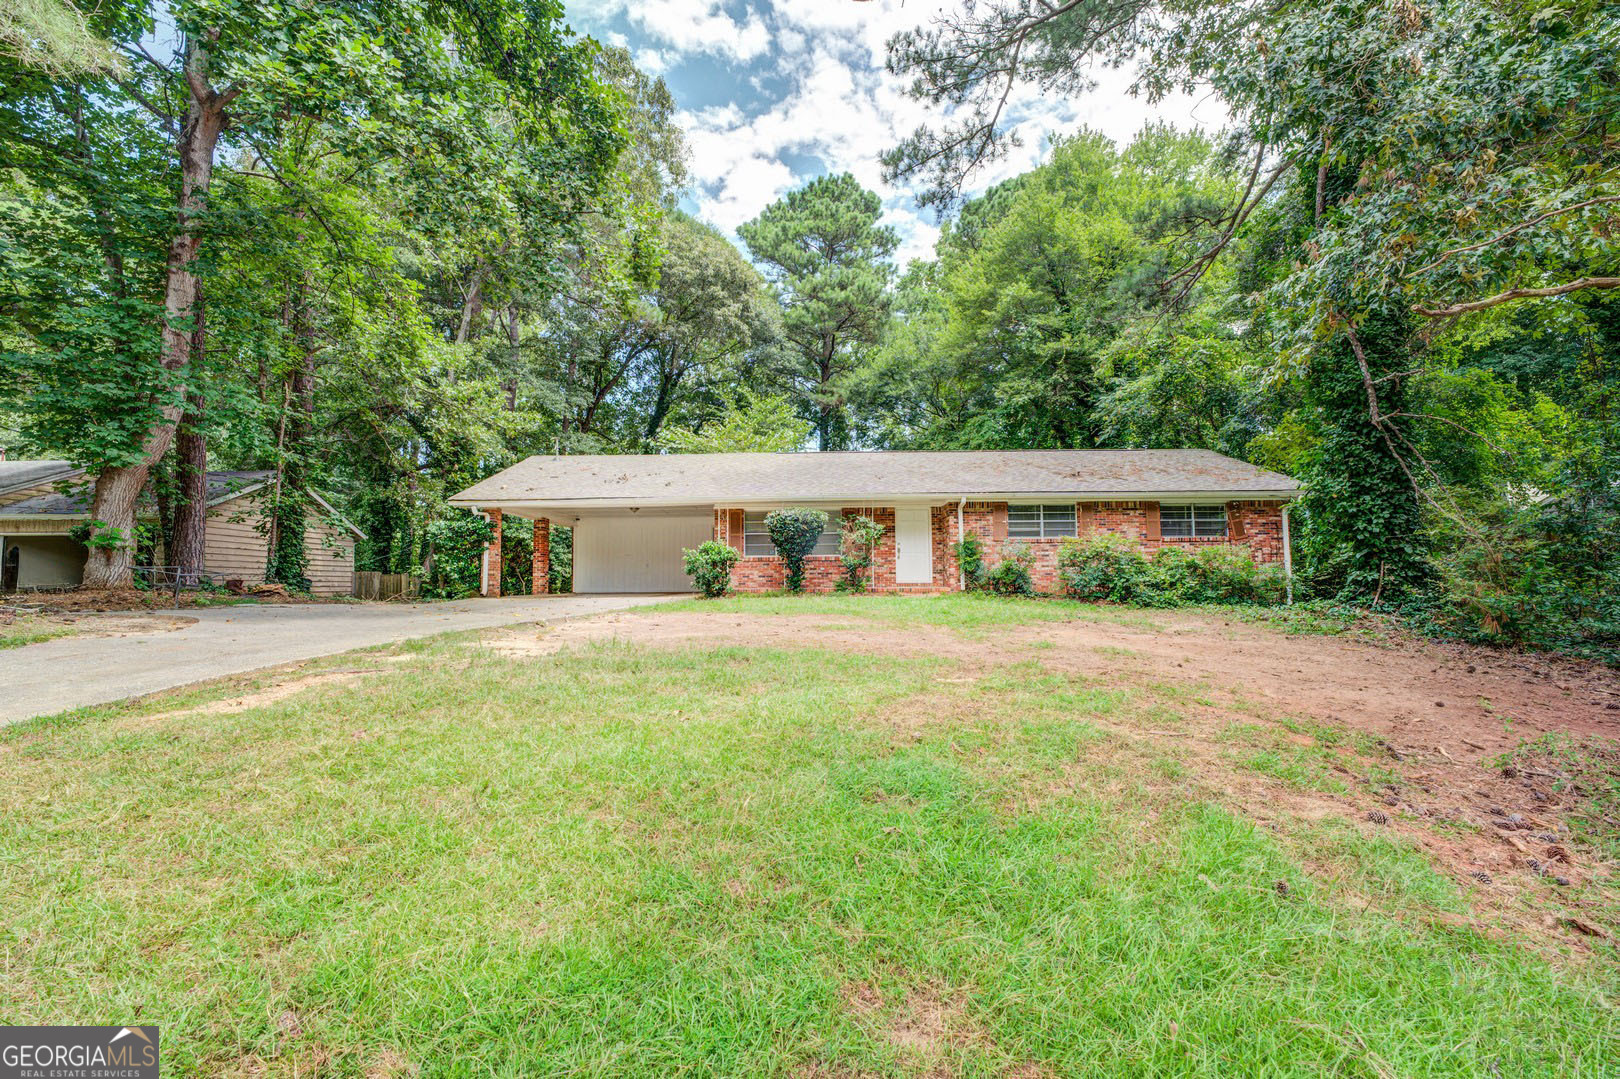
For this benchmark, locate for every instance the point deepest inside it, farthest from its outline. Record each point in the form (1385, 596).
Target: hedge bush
(1011, 576)
(794, 533)
(970, 556)
(1112, 568)
(709, 565)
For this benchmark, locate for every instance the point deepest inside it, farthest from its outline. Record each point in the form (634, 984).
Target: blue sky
(773, 95)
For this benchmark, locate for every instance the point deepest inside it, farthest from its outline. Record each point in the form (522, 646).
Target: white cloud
(695, 26)
(840, 107)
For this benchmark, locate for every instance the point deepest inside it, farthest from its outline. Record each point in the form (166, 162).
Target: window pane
(1057, 520)
(1175, 522)
(1209, 520)
(1024, 522)
(756, 541)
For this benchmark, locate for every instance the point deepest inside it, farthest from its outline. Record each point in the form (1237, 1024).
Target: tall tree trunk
(112, 509)
(825, 409)
(669, 380)
(288, 559)
(191, 469)
(191, 474)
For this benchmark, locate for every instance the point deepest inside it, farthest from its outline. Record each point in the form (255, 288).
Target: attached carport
(636, 550)
(618, 549)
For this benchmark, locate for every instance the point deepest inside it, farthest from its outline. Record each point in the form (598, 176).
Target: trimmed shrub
(1011, 576)
(1111, 568)
(970, 556)
(794, 533)
(859, 538)
(1104, 567)
(709, 566)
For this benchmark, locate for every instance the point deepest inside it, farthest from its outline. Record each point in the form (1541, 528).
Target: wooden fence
(369, 584)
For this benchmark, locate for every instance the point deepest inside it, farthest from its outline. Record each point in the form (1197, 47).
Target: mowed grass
(621, 862)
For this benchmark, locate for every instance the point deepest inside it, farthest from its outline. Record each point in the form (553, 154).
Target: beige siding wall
(47, 561)
(58, 525)
(331, 559)
(235, 547)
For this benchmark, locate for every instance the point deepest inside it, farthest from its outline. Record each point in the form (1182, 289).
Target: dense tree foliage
(1422, 249)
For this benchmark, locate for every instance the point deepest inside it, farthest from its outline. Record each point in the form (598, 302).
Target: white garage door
(635, 553)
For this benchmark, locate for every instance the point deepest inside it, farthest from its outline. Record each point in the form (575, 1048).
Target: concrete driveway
(54, 676)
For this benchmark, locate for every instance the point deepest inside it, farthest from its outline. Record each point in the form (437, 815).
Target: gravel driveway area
(54, 676)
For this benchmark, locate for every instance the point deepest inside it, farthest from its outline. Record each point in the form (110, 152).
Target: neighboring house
(633, 514)
(42, 502)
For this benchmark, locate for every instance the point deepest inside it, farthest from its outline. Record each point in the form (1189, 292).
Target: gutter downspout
(961, 537)
(1288, 559)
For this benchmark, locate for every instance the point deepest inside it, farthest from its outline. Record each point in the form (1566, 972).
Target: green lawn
(738, 862)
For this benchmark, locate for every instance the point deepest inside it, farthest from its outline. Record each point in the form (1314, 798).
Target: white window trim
(1193, 520)
(1053, 525)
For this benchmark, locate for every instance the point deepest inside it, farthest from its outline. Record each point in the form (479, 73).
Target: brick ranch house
(632, 514)
(43, 502)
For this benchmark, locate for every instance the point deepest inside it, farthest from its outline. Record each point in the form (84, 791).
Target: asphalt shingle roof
(76, 498)
(719, 478)
(15, 475)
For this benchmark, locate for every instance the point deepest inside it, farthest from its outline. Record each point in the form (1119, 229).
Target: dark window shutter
(734, 530)
(1234, 522)
(1152, 514)
(998, 522)
(1085, 518)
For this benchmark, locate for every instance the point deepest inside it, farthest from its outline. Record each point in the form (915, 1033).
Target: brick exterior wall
(1257, 525)
(768, 573)
(492, 557)
(540, 583)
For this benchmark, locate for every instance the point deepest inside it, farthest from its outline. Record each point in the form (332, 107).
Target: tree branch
(1516, 294)
(1520, 227)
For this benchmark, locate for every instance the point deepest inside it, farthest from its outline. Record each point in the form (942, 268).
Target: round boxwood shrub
(709, 566)
(794, 533)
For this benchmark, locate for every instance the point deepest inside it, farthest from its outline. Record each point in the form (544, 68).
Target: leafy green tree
(711, 314)
(1426, 158)
(753, 423)
(124, 168)
(1186, 390)
(1007, 338)
(823, 249)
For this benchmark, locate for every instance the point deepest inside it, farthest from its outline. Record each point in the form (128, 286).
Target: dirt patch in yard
(289, 685)
(1405, 738)
(91, 624)
(135, 599)
(686, 629)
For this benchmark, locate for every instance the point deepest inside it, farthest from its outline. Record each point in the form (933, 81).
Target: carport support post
(542, 556)
(492, 556)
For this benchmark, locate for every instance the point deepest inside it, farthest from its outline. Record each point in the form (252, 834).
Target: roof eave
(502, 501)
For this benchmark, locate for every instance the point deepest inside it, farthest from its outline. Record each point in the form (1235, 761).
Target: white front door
(913, 546)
